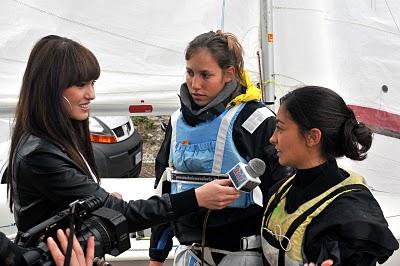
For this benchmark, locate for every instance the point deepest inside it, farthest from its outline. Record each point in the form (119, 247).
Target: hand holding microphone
(245, 176)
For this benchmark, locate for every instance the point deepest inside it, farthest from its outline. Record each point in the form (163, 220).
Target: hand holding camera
(78, 258)
(88, 220)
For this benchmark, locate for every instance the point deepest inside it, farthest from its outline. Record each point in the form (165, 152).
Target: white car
(117, 146)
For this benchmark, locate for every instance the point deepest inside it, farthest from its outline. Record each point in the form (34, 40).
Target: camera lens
(99, 229)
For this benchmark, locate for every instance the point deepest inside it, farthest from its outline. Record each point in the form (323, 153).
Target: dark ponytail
(357, 139)
(318, 107)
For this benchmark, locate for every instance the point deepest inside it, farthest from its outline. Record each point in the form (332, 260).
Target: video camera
(109, 228)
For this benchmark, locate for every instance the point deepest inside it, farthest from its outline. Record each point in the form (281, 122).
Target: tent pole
(267, 48)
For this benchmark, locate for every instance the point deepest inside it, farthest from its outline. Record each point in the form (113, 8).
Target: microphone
(245, 176)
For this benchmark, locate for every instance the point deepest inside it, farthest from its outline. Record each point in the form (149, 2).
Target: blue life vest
(206, 148)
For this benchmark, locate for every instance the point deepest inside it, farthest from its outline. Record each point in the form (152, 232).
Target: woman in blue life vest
(221, 122)
(322, 212)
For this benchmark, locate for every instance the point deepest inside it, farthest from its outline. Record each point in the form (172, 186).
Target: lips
(197, 95)
(85, 107)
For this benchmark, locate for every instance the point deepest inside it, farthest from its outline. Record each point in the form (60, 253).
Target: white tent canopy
(350, 46)
(139, 44)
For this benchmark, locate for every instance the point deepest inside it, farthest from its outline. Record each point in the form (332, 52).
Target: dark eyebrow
(205, 71)
(279, 121)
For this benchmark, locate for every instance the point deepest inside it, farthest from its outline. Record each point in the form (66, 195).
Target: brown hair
(224, 47)
(55, 63)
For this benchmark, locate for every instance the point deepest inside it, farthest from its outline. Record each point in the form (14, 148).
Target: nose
(272, 139)
(195, 83)
(90, 94)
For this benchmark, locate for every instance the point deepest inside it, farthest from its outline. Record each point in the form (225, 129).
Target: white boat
(351, 46)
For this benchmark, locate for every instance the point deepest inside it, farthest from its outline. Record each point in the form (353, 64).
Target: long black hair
(55, 63)
(318, 107)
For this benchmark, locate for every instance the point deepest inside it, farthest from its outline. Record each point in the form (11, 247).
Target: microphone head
(255, 167)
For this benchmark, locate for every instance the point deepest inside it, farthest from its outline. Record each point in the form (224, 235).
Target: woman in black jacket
(51, 160)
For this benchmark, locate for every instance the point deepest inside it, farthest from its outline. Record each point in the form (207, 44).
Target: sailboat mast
(267, 52)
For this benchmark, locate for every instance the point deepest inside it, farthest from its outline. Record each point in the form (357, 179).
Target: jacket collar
(194, 114)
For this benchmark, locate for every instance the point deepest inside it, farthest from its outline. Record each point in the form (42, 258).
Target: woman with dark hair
(51, 161)
(221, 123)
(322, 212)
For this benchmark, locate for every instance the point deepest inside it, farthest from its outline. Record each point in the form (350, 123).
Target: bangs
(80, 65)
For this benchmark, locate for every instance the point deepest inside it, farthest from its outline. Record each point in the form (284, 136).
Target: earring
(70, 106)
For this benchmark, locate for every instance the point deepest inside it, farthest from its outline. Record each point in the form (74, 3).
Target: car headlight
(100, 133)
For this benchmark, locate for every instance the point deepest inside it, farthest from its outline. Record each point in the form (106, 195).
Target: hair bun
(350, 125)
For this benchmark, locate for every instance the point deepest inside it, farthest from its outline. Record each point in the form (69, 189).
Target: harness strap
(296, 223)
(208, 252)
(250, 242)
(277, 199)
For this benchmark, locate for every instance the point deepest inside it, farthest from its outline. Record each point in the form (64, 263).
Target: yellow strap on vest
(271, 199)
